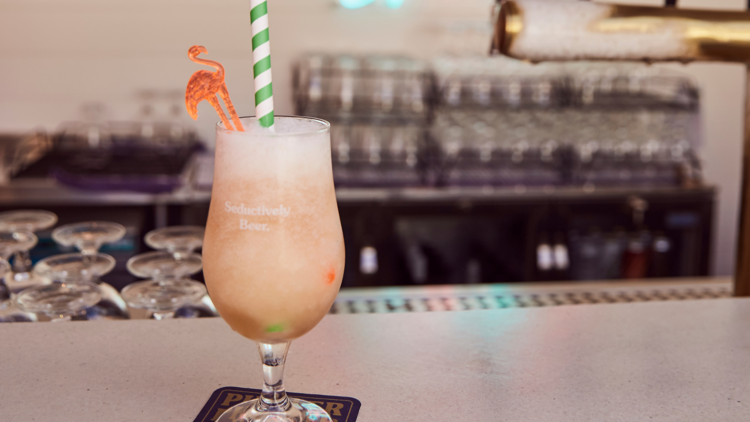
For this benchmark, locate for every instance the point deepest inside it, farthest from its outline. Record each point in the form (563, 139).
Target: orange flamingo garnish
(205, 85)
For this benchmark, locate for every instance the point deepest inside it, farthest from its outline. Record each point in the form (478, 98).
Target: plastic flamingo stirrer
(205, 85)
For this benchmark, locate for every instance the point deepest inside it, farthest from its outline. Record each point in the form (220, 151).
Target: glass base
(10, 313)
(75, 267)
(59, 300)
(299, 411)
(163, 296)
(17, 282)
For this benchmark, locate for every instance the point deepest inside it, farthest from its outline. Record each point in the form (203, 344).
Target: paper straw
(262, 63)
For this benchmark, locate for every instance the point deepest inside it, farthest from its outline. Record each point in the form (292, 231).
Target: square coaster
(341, 409)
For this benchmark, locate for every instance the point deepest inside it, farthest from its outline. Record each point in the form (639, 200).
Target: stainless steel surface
(48, 192)
(671, 361)
(506, 194)
(499, 296)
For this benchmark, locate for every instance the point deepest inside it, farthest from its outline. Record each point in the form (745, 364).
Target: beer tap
(539, 30)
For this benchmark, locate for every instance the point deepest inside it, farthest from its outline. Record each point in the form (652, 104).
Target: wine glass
(76, 267)
(28, 221)
(169, 288)
(9, 312)
(176, 239)
(88, 237)
(274, 249)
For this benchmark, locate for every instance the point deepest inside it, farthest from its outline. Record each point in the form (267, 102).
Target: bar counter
(667, 361)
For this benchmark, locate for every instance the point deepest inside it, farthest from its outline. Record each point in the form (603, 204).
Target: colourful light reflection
(356, 4)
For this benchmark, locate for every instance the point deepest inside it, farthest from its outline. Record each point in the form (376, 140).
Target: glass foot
(182, 239)
(27, 220)
(75, 266)
(10, 313)
(298, 411)
(17, 282)
(161, 265)
(163, 296)
(59, 300)
(90, 236)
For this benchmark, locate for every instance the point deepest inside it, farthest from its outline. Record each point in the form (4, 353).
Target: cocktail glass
(274, 249)
(59, 301)
(74, 268)
(25, 221)
(183, 240)
(169, 288)
(9, 312)
(10, 244)
(88, 237)
(176, 239)
(162, 265)
(163, 298)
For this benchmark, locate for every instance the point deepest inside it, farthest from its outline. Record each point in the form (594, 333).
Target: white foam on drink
(281, 168)
(283, 126)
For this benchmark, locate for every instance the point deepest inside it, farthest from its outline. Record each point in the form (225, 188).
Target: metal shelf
(517, 194)
(48, 192)
(523, 295)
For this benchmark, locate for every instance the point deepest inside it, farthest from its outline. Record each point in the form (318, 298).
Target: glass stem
(21, 262)
(60, 318)
(163, 315)
(89, 249)
(273, 397)
(179, 253)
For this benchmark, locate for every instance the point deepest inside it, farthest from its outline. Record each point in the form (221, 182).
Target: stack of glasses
(501, 122)
(144, 156)
(372, 87)
(69, 286)
(62, 286)
(169, 287)
(378, 108)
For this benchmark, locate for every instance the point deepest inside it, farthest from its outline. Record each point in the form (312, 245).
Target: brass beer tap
(539, 30)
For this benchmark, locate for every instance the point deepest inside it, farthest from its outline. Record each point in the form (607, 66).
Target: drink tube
(262, 63)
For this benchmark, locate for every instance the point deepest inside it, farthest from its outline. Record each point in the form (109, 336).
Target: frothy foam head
(298, 148)
(282, 126)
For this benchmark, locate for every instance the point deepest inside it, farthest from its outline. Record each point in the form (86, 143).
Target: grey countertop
(661, 361)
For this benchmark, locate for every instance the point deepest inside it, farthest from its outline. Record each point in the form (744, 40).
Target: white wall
(57, 54)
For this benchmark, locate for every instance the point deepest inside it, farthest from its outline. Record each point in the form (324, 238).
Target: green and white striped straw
(262, 63)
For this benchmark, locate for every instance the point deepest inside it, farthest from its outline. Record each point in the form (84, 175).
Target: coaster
(341, 409)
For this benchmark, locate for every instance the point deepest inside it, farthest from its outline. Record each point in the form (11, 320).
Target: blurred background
(451, 167)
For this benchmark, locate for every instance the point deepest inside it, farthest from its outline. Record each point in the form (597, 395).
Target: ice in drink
(273, 251)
